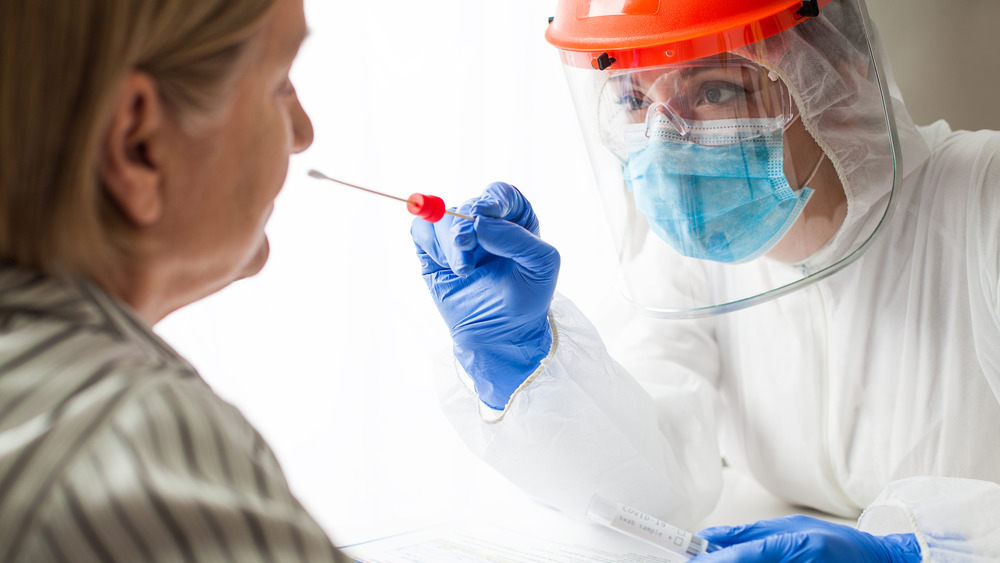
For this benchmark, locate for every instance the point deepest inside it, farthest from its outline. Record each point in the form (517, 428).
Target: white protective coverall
(871, 393)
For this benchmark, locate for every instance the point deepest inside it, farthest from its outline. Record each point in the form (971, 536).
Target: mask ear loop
(822, 156)
(787, 126)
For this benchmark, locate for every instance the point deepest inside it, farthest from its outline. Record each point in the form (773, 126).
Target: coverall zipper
(826, 428)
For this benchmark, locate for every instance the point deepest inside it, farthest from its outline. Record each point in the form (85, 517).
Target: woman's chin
(256, 264)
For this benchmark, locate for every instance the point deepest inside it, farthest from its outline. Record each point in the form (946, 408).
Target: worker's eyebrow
(621, 84)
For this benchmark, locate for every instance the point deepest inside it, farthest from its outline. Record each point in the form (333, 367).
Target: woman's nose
(302, 129)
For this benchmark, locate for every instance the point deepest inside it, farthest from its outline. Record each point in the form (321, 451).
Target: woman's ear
(129, 174)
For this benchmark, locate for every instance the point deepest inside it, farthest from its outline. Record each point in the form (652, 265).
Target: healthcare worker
(815, 281)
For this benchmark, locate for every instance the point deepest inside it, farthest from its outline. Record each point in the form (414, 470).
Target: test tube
(642, 526)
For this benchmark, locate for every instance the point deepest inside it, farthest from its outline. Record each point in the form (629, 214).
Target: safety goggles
(714, 101)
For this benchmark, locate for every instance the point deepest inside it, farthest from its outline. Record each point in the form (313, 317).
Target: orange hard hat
(641, 33)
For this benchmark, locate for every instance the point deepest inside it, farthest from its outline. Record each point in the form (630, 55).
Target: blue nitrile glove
(492, 281)
(801, 538)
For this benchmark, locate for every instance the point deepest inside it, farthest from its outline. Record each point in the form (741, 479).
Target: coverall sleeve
(958, 520)
(581, 425)
(954, 519)
(176, 474)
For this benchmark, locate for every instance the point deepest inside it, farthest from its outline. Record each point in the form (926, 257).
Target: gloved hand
(801, 538)
(492, 281)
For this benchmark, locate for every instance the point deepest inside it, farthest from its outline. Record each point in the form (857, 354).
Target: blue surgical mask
(715, 199)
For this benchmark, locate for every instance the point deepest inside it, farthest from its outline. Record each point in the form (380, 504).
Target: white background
(331, 351)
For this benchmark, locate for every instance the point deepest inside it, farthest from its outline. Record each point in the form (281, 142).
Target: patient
(142, 144)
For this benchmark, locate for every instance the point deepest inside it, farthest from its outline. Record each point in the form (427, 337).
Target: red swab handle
(427, 207)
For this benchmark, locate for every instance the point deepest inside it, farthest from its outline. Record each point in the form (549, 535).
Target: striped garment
(112, 448)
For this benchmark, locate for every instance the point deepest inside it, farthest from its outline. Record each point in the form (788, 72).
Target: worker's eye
(633, 101)
(718, 92)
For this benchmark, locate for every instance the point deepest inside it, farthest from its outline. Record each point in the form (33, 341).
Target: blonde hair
(61, 64)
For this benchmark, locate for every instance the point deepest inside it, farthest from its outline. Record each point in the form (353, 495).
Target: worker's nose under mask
(713, 199)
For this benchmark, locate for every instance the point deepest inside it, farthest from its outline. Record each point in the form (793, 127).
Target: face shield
(697, 145)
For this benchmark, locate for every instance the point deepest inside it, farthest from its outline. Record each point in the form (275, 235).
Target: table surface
(742, 500)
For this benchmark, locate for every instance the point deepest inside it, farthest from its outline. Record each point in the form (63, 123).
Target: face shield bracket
(603, 62)
(809, 9)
